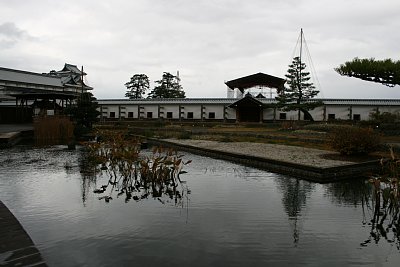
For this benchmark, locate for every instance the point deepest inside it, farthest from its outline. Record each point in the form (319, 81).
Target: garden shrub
(324, 127)
(289, 126)
(384, 117)
(185, 135)
(352, 140)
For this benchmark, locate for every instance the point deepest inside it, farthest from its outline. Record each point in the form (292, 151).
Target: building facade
(24, 94)
(246, 109)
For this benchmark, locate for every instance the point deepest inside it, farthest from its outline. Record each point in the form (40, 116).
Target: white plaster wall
(170, 108)
(149, 108)
(112, 108)
(364, 112)
(230, 114)
(391, 109)
(341, 112)
(290, 115)
(268, 114)
(131, 108)
(196, 109)
(318, 113)
(217, 109)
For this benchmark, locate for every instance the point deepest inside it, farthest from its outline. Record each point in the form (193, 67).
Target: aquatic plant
(385, 222)
(134, 175)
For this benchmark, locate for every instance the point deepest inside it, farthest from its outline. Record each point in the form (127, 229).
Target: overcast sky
(208, 41)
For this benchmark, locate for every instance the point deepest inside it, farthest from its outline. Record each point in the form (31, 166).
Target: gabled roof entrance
(258, 79)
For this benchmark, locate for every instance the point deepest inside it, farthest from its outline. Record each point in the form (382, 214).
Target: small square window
(190, 115)
(357, 117)
(149, 114)
(130, 114)
(331, 116)
(282, 116)
(112, 114)
(211, 115)
(169, 115)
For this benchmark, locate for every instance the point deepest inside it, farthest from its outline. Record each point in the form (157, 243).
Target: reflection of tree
(294, 196)
(379, 212)
(352, 192)
(89, 173)
(132, 175)
(384, 208)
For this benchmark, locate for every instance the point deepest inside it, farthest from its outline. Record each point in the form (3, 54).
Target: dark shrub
(384, 117)
(354, 140)
(324, 127)
(185, 135)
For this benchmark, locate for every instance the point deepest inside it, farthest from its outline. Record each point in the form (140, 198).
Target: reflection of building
(23, 94)
(253, 107)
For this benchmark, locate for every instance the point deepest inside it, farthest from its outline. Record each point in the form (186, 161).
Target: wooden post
(350, 112)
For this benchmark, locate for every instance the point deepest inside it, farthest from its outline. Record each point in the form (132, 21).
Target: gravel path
(293, 154)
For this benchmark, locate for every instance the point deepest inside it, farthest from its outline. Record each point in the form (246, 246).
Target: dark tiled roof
(19, 76)
(258, 79)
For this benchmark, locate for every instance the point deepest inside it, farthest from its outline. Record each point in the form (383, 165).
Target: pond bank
(16, 247)
(306, 163)
(12, 134)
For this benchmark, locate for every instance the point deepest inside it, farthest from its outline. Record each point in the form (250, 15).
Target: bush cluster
(384, 117)
(352, 140)
(324, 127)
(289, 126)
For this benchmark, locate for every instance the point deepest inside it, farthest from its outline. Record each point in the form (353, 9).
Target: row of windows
(356, 117)
(211, 115)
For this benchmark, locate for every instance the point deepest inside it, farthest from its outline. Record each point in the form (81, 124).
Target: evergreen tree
(168, 87)
(386, 71)
(84, 113)
(137, 86)
(299, 90)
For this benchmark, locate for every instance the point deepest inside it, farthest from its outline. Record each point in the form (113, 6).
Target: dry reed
(53, 130)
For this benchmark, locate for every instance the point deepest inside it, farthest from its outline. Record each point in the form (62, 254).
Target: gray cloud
(10, 34)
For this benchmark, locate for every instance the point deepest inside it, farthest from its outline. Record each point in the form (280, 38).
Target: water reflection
(89, 172)
(295, 193)
(384, 212)
(123, 171)
(353, 192)
(237, 217)
(380, 216)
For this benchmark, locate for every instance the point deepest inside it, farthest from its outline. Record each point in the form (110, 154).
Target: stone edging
(16, 247)
(315, 174)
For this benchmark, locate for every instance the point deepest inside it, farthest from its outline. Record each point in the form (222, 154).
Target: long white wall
(219, 110)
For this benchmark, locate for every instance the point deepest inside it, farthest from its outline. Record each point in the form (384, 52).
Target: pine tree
(84, 112)
(299, 90)
(137, 86)
(386, 72)
(168, 87)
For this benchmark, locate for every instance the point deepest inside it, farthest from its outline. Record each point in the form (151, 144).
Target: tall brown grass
(53, 130)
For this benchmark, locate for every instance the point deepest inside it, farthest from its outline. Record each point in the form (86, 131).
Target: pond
(233, 216)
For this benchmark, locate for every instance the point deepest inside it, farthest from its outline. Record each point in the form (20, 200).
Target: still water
(233, 216)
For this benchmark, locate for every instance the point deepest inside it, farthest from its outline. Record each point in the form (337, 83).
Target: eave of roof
(246, 101)
(258, 79)
(229, 101)
(25, 77)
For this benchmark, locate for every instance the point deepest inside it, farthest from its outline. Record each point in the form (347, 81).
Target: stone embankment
(307, 163)
(16, 247)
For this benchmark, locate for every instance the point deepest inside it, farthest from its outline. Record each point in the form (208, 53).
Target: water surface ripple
(234, 216)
